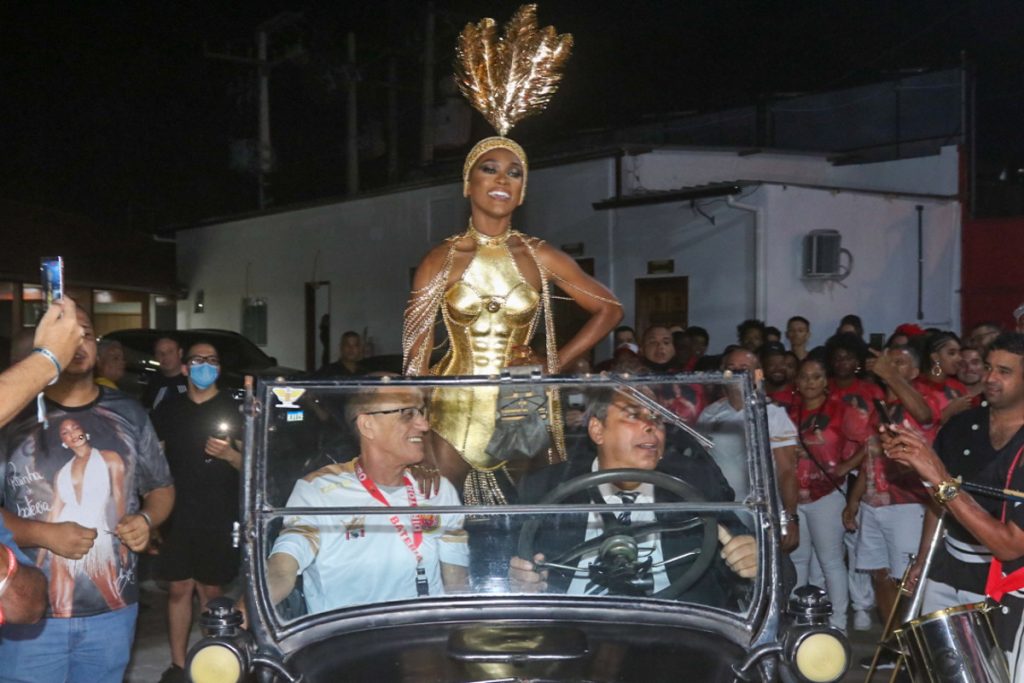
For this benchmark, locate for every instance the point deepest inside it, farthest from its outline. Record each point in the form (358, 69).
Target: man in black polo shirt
(168, 380)
(200, 431)
(982, 445)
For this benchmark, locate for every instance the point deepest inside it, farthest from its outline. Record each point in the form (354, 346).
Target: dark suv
(238, 356)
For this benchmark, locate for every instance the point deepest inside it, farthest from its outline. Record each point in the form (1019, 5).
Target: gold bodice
(487, 312)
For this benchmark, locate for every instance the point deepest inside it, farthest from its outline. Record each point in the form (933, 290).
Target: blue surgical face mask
(203, 375)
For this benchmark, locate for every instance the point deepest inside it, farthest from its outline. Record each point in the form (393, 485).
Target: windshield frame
(748, 629)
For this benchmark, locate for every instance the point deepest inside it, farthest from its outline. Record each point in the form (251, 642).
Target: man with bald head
(724, 421)
(352, 559)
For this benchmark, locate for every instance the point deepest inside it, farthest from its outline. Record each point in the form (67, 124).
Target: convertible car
(625, 591)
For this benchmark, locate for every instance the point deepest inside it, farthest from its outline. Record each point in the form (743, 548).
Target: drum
(954, 645)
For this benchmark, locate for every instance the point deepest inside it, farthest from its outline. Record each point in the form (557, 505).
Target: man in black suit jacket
(628, 435)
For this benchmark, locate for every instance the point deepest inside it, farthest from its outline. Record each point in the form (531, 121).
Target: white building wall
(881, 235)
(367, 247)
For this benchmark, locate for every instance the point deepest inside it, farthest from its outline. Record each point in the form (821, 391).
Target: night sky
(111, 110)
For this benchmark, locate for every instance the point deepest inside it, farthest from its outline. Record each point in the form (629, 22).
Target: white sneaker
(861, 620)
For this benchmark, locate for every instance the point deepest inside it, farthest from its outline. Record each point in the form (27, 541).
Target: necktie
(627, 498)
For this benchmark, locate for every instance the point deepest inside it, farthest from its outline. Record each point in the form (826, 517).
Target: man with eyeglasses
(200, 431)
(628, 435)
(349, 559)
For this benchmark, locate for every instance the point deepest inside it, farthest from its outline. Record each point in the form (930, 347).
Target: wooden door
(661, 301)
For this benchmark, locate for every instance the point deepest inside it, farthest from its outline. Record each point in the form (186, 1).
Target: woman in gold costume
(491, 284)
(492, 287)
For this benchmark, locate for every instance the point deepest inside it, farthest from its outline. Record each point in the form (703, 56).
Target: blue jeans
(77, 650)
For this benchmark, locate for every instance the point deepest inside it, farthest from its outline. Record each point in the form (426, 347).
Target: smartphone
(884, 416)
(52, 270)
(876, 341)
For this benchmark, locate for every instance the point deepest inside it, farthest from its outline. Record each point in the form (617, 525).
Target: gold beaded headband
(509, 77)
(485, 146)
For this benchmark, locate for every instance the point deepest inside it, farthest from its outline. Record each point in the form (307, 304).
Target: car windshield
(531, 504)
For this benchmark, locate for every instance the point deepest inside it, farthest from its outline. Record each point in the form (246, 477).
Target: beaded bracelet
(42, 350)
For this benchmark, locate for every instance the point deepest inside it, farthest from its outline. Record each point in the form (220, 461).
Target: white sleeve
(300, 536)
(781, 430)
(454, 547)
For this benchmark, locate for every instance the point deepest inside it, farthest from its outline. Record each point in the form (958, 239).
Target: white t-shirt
(649, 545)
(727, 428)
(354, 559)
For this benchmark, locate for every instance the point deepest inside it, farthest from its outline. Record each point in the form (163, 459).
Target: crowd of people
(860, 517)
(91, 474)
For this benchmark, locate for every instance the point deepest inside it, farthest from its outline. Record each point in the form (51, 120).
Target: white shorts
(889, 536)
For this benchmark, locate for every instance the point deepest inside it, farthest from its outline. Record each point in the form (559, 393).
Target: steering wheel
(591, 480)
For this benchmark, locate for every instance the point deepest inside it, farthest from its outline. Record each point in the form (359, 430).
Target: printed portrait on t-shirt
(75, 469)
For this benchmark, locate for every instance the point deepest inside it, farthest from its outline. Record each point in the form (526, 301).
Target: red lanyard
(412, 543)
(997, 584)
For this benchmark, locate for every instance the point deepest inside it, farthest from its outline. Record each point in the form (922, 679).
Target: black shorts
(204, 555)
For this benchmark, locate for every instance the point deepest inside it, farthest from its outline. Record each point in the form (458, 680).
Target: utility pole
(427, 142)
(352, 121)
(263, 64)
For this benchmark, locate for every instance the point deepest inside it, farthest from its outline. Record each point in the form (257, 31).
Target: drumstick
(992, 491)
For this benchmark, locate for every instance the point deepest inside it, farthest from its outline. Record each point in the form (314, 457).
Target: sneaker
(861, 620)
(174, 674)
(886, 662)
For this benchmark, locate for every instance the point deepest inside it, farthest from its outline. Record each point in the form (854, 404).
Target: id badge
(422, 587)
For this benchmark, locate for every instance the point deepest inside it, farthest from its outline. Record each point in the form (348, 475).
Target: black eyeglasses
(407, 414)
(199, 360)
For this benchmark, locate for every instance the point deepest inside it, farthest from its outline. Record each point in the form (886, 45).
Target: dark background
(111, 110)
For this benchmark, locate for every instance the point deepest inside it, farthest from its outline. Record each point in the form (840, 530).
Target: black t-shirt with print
(88, 465)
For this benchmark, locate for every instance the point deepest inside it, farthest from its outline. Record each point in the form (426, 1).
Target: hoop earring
(63, 445)
(936, 369)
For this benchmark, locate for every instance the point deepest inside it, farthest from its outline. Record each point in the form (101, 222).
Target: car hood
(497, 651)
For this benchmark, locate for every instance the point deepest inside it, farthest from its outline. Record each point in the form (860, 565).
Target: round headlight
(215, 663)
(820, 658)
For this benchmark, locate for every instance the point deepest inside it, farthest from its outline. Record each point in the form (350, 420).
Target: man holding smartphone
(75, 471)
(23, 595)
(200, 431)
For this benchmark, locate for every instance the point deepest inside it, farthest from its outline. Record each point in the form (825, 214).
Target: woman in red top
(846, 354)
(832, 437)
(937, 382)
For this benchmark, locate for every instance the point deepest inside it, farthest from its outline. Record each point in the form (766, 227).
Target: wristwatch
(946, 491)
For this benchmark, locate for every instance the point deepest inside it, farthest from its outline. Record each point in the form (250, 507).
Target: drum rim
(984, 607)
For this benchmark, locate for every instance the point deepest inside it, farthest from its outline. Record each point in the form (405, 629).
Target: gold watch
(945, 491)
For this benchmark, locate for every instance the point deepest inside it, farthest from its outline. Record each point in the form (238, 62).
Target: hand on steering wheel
(704, 554)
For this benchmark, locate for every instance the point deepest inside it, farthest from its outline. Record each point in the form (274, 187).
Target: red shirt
(890, 483)
(829, 436)
(785, 397)
(939, 394)
(685, 400)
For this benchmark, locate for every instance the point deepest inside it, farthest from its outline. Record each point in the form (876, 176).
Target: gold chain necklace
(487, 240)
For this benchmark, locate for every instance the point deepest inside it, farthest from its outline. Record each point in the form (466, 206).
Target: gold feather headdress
(510, 77)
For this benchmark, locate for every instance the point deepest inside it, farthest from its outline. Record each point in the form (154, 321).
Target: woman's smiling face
(496, 182)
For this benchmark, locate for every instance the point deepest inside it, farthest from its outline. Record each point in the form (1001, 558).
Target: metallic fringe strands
(510, 77)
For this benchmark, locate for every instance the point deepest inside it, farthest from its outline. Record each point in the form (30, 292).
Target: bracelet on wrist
(46, 353)
(145, 516)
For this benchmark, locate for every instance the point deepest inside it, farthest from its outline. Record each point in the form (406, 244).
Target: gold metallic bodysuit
(490, 310)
